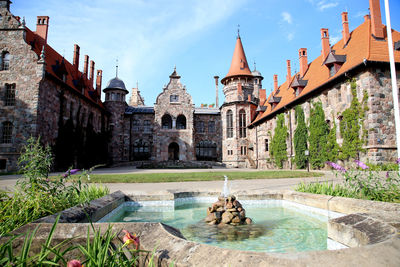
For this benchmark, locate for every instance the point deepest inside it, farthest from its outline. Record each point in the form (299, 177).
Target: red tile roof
(239, 64)
(56, 65)
(362, 45)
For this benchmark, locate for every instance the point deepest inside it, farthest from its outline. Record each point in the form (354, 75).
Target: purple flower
(398, 161)
(361, 165)
(387, 174)
(70, 172)
(336, 166)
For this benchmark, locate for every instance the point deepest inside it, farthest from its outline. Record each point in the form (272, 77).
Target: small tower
(116, 105)
(241, 99)
(257, 81)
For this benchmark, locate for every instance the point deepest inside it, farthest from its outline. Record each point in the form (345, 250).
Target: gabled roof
(56, 64)
(333, 58)
(239, 64)
(360, 49)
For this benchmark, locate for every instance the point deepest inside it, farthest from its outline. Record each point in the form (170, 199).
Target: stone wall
(207, 135)
(25, 73)
(163, 138)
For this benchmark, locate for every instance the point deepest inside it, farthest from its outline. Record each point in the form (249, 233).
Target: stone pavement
(8, 181)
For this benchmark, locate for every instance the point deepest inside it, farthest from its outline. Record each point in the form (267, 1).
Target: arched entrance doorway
(173, 151)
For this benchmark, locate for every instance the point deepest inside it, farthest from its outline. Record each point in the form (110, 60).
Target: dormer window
(174, 98)
(298, 85)
(274, 101)
(334, 62)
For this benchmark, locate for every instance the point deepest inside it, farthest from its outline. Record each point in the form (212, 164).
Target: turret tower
(115, 103)
(241, 99)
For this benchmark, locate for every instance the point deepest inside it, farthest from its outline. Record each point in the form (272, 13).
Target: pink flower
(336, 166)
(70, 172)
(361, 165)
(74, 263)
(131, 239)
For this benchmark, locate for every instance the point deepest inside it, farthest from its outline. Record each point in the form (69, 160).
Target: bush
(300, 139)
(278, 144)
(318, 138)
(36, 195)
(362, 184)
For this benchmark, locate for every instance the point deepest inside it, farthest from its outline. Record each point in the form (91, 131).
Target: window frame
(229, 124)
(6, 135)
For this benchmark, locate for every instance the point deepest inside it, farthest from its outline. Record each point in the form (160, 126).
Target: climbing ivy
(300, 139)
(278, 144)
(332, 147)
(319, 131)
(352, 123)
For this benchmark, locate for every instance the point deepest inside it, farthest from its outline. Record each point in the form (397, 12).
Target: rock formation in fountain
(227, 210)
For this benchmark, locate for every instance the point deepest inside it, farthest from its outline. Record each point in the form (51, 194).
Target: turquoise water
(276, 228)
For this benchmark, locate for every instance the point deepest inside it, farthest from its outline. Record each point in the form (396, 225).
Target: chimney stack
(325, 43)
(303, 61)
(289, 72)
(376, 20)
(86, 66)
(91, 77)
(76, 56)
(42, 27)
(275, 82)
(98, 81)
(345, 31)
(366, 17)
(216, 91)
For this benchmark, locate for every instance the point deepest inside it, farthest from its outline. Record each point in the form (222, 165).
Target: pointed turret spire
(239, 64)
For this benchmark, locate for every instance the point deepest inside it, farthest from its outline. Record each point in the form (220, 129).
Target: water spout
(225, 190)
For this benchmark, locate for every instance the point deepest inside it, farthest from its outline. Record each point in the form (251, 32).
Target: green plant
(300, 139)
(332, 147)
(278, 144)
(362, 184)
(352, 123)
(36, 195)
(318, 138)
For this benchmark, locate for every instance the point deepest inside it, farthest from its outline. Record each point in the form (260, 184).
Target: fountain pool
(279, 225)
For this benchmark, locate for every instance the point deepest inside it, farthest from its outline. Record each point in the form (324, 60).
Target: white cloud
(290, 36)
(287, 17)
(323, 4)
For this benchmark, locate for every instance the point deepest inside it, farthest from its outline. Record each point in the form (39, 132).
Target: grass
(195, 176)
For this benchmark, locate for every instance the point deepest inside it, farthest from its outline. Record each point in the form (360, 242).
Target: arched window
(229, 124)
(206, 150)
(141, 150)
(242, 123)
(166, 122)
(10, 95)
(181, 122)
(5, 61)
(6, 132)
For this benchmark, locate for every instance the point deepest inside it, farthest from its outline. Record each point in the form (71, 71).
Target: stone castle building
(42, 94)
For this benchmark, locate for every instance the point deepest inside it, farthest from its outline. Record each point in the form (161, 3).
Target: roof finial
(137, 85)
(238, 31)
(116, 69)
(175, 68)
(255, 65)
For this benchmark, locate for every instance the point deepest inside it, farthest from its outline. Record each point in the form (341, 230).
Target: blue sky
(150, 37)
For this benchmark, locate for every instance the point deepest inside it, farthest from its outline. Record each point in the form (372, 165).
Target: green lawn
(195, 176)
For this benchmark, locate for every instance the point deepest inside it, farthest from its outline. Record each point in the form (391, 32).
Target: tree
(332, 147)
(278, 144)
(351, 124)
(319, 131)
(300, 139)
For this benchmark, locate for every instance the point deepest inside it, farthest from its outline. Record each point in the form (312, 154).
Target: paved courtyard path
(8, 181)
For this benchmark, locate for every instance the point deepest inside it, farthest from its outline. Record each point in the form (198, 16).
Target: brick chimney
(98, 81)
(91, 77)
(325, 43)
(345, 31)
(76, 56)
(216, 91)
(376, 20)
(303, 61)
(86, 66)
(42, 27)
(289, 72)
(263, 95)
(366, 17)
(275, 82)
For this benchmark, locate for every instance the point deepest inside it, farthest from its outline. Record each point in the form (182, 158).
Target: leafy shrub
(362, 184)
(278, 144)
(36, 195)
(319, 131)
(300, 139)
